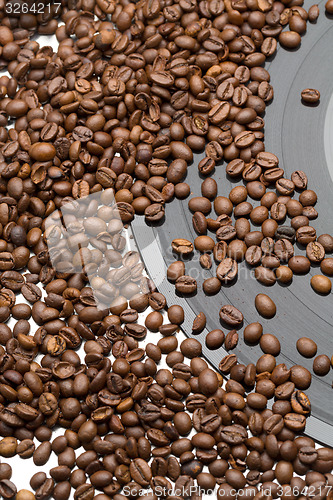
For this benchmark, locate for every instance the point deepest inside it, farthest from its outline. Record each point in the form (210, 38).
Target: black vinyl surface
(302, 137)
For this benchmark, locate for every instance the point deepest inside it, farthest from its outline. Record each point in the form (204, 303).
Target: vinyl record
(302, 137)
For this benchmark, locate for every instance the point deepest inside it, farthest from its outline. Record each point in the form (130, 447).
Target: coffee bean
(7, 488)
(227, 270)
(214, 339)
(204, 243)
(175, 270)
(310, 96)
(286, 233)
(270, 344)
(114, 116)
(227, 363)
(299, 264)
(321, 365)
(300, 376)
(199, 223)
(253, 333)
(306, 347)
(290, 39)
(231, 340)
(231, 315)
(182, 246)
(253, 255)
(205, 261)
(186, 285)
(265, 306)
(284, 274)
(321, 284)
(265, 276)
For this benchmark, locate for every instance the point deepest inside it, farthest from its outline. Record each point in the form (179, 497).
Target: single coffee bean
(326, 266)
(326, 240)
(300, 403)
(253, 255)
(300, 179)
(306, 347)
(253, 333)
(265, 276)
(214, 339)
(226, 364)
(206, 261)
(300, 376)
(231, 340)
(175, 271)
(321, 365)
(286, 233)
(321, 284)
(231, 315)
(290, 39)
(299, 264)
(310, 96)
(199, 223)
(227, 270)
(211, 286)
(186, 285)
(182, 246)
(270, 344)
(265, 305)
(199, 323)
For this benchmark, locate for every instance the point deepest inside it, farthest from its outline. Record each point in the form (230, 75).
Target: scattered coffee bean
(306, 347)
(321, 365)
(310, 96)
(321, 284)
(265, 305)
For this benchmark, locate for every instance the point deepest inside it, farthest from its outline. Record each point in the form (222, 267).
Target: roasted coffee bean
(310, 96)
(154, 213)
(265, 276)
(321, 284)
(321, 365)
(326, 241)
(306, 347)
(299, 264)
(116, 114)
(231, 340)
(199, 223)
(231, 315)
(299, 178)
(186, 285)
(253, 255)
(265, 305)
(253, 333)
(227, 270)
(300, 403)
(175, 270)
(206, 261)
(326, 266)
(215, 339)
(286, 233)
(283, 249)
(182, 247)
(301, 377)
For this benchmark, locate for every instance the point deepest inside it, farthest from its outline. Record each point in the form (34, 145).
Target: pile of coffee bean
(131, 92)
(269, 250)
(144, 428)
